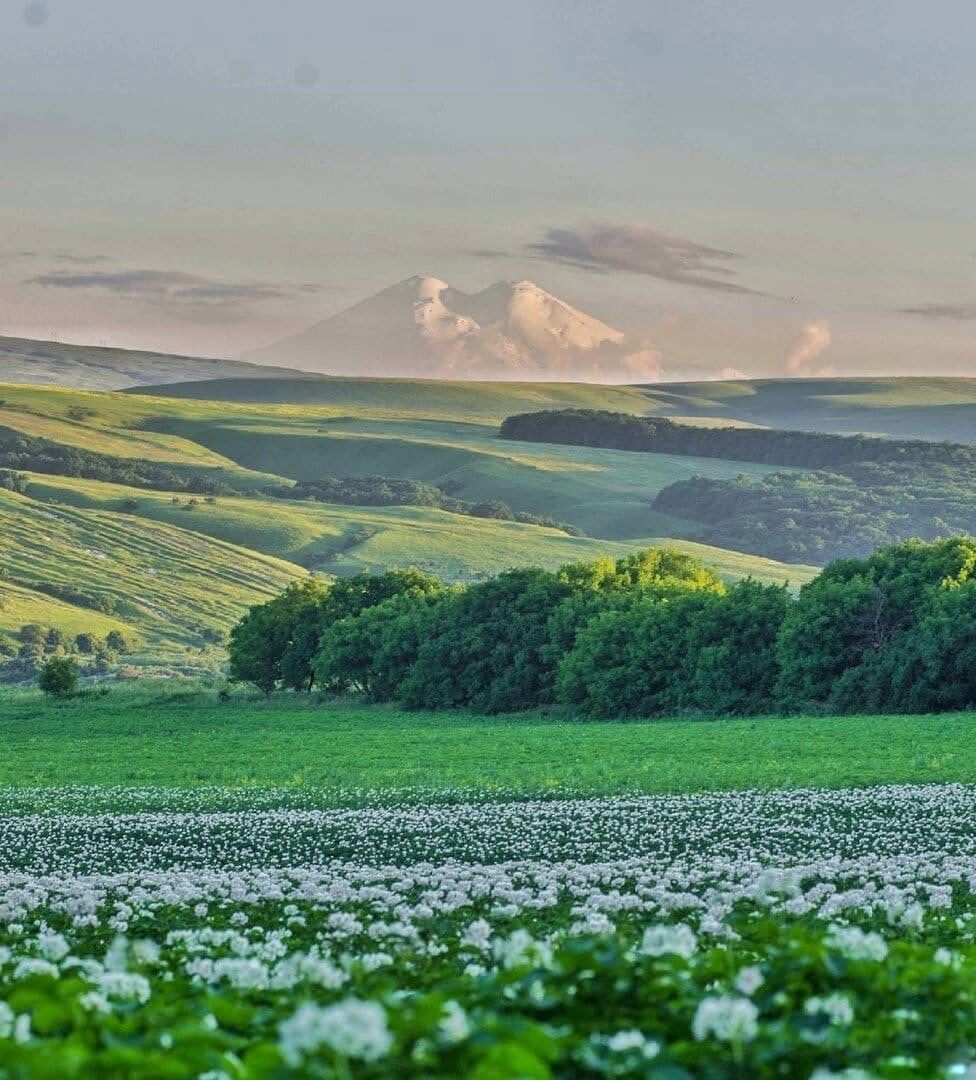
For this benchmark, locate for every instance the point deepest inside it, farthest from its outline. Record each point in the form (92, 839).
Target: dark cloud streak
(169, 286)
(637, 249)
(946, 312)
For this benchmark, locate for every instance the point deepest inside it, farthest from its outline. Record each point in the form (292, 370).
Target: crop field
(248, 887)
(149, 736)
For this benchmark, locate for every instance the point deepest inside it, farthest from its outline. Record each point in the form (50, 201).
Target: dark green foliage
(882, 632)
(374, 651)
(38, 455)
(653, 434)
(275, 644)
(814, 517)
(485, 649)
(702, 652)
(13, 481)
(118, 642)
(58, 677)
(648, 635)
(261, 640)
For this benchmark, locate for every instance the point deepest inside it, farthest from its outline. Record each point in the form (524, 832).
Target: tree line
(650, 634)
(402, 491)
(657, 435)
(19, 452)
(816, 516)
(861, 494)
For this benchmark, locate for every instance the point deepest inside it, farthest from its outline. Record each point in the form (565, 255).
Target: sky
(759, 187)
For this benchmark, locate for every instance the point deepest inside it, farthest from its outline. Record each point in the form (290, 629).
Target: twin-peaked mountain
(424, 327)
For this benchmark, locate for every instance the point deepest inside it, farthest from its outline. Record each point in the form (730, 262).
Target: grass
(346, 539)
(168, 584)
(137, 736)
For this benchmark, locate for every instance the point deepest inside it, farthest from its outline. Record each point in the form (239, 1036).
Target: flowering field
(260, 933)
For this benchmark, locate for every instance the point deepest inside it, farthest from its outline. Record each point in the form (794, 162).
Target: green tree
(117, 641)
(58, 677)
(261, 639)
(485, 648)
(374, 651)
(846, 645)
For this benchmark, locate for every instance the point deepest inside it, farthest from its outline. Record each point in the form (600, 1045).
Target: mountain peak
(422, 326)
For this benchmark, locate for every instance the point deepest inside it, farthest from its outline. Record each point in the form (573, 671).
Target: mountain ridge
(424, 327)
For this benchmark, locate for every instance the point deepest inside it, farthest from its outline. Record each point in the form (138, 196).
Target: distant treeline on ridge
(857, 493)
(765, 446)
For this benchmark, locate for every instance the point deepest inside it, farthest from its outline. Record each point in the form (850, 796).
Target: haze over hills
(91, 367)
(424, 327)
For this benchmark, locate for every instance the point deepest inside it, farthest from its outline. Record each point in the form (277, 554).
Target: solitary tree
(58, 677)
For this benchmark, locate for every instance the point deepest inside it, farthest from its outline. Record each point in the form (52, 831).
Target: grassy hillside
(139, 738)
(167, 584)
(910, 408)
(605, 493)
(93, 368)
(173, 573)
(485, 401)
(346, 539)
(906, 408)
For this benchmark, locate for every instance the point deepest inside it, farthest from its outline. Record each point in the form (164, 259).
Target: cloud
(814, 340)
(949, 312)
(169, 286)
(71, 257)
(637, 249)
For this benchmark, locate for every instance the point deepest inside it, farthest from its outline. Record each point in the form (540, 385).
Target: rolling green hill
(167, 586)
(909, 408)
(937, 408)
(94, 368)
(173, 569)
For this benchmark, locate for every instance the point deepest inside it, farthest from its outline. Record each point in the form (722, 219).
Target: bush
(58, 677)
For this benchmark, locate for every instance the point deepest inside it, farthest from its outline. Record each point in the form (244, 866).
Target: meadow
(146, 736)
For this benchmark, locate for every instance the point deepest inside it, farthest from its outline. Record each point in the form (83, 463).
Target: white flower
(856, 944)
(52, 946)
(6, 1020)
(749, 980)
(728, 1019)
(836, 1007)
(477, 935)
(663, 940)
(352, 1028)
(95, 1002)
(455, 1026)
(124, 986)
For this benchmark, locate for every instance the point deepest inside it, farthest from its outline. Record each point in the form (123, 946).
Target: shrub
(58, 677)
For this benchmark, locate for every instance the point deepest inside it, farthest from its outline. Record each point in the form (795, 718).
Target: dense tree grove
(864, 493)
(648, 635)
(814, 517)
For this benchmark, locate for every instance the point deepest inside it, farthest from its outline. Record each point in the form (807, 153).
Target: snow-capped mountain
(424, 327)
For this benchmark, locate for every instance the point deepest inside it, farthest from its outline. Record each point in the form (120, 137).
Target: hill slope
(92, 368)
(906, 408)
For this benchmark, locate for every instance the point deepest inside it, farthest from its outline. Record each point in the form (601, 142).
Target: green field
(168, 584)
(181, 737)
